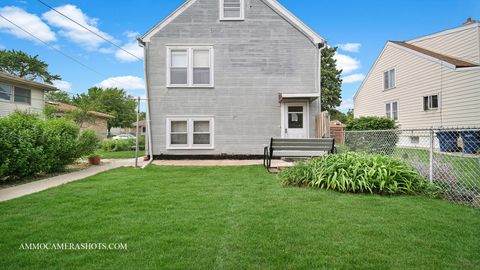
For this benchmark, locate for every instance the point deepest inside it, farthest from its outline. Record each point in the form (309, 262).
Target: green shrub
(88, 143)
(358, 173)
(59, 144)
(110, 145)
(29, 145)
(371, 123)
(380, 135)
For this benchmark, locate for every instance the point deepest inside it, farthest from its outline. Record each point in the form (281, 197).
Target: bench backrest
(323, 144)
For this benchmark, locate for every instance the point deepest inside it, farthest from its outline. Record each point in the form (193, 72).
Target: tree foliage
(331, 80)
(371, 123)
(20, 64)
(113, 101)
(59, 96)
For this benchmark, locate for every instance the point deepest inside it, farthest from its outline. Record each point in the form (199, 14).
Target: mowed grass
(232, 218)
(119, 154)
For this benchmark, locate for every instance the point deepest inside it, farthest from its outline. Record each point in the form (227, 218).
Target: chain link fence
(448, 157)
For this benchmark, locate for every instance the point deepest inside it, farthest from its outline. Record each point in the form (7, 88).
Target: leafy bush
(371, 123)
(110, 145)
(30, 145)
(88, 142)
(358, 173)
(382, 141)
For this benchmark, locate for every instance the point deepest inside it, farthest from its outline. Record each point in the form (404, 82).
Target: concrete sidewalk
(33, 187)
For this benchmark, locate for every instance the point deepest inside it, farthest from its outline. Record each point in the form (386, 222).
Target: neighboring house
(141, 125)
(224, 76)
(431, 81)
(98, 121)
(18, 94)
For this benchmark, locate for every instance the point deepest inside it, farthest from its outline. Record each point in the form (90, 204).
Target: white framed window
(22, 95)
(5, 92)
(430, 102)
(190, 133)
(389, 79)
(232, 10)
(391, 110)
(190, 66)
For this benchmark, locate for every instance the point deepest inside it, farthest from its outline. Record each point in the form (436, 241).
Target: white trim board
(276, 6)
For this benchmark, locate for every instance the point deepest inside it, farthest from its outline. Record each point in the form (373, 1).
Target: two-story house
(431, 81)
(224, 76)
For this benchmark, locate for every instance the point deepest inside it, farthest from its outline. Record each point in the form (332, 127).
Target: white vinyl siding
(464, 44)
(389, 79)
(419, 77)
(190, 133)
(232, 10)
(190, 66)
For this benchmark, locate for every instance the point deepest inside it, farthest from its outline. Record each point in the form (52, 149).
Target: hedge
(30, 145)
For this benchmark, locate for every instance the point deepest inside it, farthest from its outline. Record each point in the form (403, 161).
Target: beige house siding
(37, 102)
(100, 127)
(416, 77)
(464, 44)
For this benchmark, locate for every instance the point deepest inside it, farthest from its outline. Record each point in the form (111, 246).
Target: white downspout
(148, 119)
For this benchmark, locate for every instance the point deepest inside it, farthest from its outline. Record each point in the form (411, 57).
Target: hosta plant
(358, 173)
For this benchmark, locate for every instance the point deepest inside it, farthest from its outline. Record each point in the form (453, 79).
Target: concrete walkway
(36, 186)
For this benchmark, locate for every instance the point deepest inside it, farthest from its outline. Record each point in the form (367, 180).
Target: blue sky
(362, 27)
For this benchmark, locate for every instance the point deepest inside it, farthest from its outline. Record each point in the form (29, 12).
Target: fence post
(432, 145)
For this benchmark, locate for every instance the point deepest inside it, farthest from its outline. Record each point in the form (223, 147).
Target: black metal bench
(306, 148)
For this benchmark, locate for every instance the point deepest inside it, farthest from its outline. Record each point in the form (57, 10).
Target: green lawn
(120, 154)
(233, 218)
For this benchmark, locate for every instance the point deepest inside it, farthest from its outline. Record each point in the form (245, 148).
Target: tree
(340, 116)
(25, 66)
(331, 80)
(59, 96)
(113, 101)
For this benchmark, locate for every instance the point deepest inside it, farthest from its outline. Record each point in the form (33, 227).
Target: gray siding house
(224, 76)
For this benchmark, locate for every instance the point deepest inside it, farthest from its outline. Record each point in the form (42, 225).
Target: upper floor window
(430, 102)
(232, 9)
(189, 66)
(389, 79)
(22, 95)
(391, 109)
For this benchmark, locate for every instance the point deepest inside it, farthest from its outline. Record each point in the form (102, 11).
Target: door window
(295, 116)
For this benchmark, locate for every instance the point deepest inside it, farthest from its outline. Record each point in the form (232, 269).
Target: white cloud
(346, 105)
(74, 32)
(131, 47)
(346, 63)
(30, 22)
(353, 78)
(129, 83)
(63, 85)
(350, 47)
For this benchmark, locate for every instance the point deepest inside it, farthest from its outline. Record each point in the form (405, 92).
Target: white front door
(295, 121)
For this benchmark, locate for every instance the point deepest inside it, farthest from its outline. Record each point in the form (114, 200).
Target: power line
(61, 52)
(86, 28)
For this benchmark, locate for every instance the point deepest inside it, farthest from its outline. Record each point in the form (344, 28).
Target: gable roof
(41, 86)
(67, 107)
(445, 58)
(273, 4)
